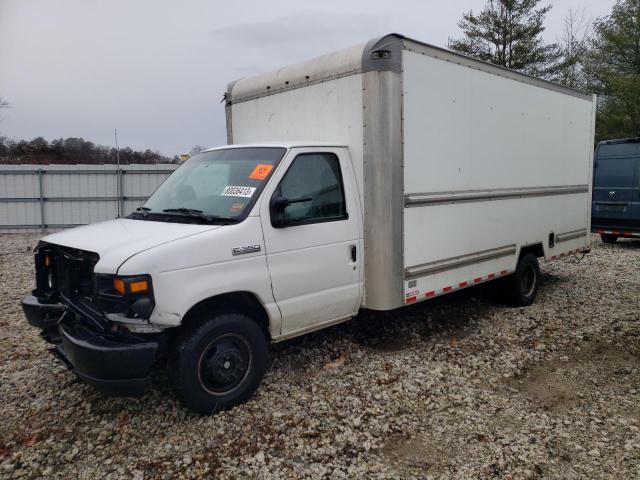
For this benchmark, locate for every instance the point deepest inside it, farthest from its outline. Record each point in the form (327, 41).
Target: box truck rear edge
(374, 177)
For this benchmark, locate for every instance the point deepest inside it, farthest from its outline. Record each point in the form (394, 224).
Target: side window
(311, 191)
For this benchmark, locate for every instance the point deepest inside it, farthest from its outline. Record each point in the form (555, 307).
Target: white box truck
(374, 177)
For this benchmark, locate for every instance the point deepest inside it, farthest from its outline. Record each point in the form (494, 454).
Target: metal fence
(52, 197)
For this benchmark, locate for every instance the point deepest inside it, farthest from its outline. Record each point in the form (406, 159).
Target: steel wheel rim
(224, 364)
(528, 280)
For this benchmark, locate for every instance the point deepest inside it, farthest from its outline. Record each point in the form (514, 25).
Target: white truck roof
(365, 57)
(291, 144)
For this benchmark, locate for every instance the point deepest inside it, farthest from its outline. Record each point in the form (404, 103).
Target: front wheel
(218, 363)
(608, 238)
(522, 286)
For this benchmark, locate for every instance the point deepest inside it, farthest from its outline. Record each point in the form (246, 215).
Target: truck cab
(616, 190)
(241, 246)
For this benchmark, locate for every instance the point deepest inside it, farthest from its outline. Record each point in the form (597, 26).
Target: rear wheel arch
(246, 303)
(536, 249)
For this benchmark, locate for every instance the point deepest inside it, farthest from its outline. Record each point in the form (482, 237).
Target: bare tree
(574, 47)
(3, 104)
(72, 151)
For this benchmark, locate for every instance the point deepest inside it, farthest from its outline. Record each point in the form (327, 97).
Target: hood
(117, 240)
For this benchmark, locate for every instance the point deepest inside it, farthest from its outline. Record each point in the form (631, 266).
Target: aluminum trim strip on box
(466, 196)
(392, 46)
(573, 234)
(275, 91)
(336, 65)
(383, 180)
(452, 263)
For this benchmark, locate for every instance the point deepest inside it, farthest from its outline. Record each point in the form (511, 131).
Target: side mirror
(278, 206)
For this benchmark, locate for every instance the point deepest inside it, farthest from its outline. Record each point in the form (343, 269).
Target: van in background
(616, 190)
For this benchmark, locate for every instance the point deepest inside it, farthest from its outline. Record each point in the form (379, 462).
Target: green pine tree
(509, 33)
(613, 66)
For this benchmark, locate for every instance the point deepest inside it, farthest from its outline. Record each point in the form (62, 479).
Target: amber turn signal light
(139, 286)
(131, 286)
(118, 284)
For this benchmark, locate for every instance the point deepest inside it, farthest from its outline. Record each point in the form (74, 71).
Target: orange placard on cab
(261, 171)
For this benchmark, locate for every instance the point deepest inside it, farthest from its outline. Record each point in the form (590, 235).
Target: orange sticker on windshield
(261, 171)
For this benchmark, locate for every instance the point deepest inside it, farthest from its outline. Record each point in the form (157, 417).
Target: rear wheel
(218, 363)
(522, 286)
(608, 238)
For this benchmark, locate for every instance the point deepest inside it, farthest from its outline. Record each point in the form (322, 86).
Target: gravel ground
(462, 387)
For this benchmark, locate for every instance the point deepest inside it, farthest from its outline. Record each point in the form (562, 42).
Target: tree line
(601, 57)
(73, 151)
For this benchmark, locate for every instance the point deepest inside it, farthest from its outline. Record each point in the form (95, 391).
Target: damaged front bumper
(104, 357)
(44, 316)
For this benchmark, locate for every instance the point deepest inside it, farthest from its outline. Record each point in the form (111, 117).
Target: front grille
(74, 272)
(70, 273)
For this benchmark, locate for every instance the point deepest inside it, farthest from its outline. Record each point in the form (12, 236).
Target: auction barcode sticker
(238, 191)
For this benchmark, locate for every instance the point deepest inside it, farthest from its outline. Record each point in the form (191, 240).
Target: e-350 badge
(245, 249)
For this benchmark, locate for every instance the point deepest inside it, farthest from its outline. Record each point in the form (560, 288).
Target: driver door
(313, 240)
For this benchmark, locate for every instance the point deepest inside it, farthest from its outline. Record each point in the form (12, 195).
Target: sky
(156, 70)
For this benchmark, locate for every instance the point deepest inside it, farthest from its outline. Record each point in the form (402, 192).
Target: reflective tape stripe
(459, 286)
(620, 233)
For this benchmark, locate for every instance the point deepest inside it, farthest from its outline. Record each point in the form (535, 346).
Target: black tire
(217, 362)
(607, 238)
(522, 286)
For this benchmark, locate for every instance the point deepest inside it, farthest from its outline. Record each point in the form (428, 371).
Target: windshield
(216, 184)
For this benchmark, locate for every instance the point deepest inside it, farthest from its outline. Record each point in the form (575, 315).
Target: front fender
(179, 290)
(195, 268)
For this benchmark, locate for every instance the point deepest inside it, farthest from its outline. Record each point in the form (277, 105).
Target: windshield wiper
(144, 210)
(192, 212)
(189, 212)
(182, 210)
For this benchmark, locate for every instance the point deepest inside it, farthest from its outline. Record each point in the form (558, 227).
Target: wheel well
(537, 249)
(237, 302)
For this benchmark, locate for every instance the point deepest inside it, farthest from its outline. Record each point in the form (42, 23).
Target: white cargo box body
(460, 164)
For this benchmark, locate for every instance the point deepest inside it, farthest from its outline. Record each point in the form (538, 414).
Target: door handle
(354, 254)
